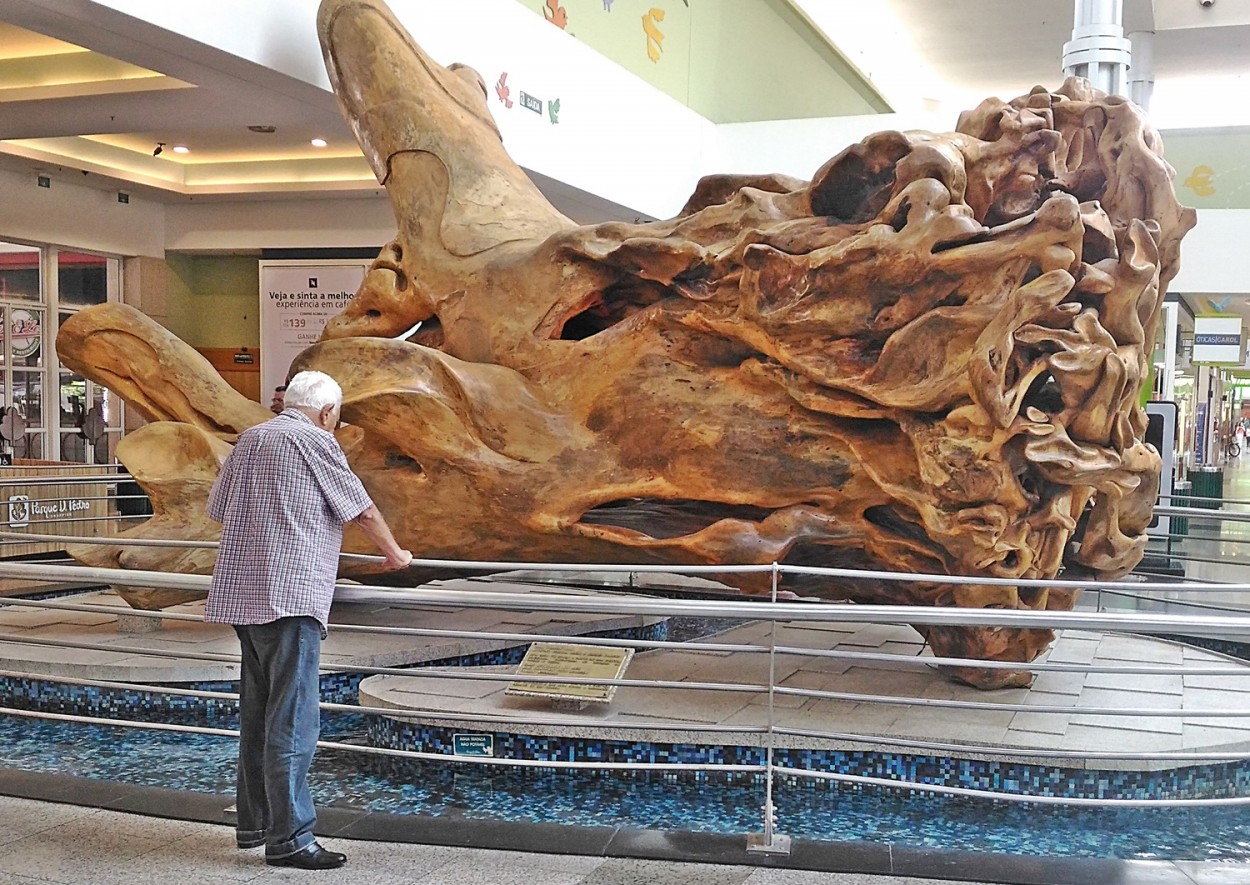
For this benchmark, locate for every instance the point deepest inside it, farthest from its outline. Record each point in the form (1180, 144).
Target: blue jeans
(279, 723)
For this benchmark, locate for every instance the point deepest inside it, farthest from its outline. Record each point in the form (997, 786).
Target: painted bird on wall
(1199, 181)
(655, 37)
(556, 14)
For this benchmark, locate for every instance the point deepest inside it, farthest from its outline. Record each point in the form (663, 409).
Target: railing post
(770, 842)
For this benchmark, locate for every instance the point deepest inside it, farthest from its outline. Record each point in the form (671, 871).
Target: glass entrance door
(48, 412)
(89, 416)
(89, 423)
(23, 423)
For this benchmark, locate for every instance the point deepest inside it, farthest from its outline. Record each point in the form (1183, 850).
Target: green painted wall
(214, 300)
(1212, 167)
(720, 57)
(616, 31)
(760, 60)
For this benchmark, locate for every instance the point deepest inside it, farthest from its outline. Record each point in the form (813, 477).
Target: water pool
(205, 764)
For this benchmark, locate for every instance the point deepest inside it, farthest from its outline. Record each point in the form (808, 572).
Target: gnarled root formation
(928, 359)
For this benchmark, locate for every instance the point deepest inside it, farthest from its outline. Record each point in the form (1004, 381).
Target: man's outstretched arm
(373, 524)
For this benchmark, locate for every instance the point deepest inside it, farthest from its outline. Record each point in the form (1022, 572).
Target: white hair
(313, 390)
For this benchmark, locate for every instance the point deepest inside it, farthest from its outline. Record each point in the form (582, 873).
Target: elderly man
(283, 497)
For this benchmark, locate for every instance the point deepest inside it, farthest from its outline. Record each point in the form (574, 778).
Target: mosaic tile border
(1219, 780)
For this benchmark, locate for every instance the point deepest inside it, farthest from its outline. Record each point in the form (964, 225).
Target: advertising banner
(297, 299)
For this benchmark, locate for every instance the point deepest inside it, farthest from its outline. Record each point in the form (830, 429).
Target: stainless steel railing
(1214, 620)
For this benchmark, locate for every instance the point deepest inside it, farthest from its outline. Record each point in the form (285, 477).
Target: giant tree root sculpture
(927, 359)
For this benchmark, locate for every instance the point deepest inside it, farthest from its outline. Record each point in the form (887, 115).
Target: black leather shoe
(314, 857)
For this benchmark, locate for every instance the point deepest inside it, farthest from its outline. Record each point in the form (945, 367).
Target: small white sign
(473, 744)
(19, 511)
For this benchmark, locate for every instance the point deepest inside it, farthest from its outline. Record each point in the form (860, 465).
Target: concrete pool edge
(867, 858)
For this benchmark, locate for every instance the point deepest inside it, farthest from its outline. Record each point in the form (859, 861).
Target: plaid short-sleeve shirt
(282, 498)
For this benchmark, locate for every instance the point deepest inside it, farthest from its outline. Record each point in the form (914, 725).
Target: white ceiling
(932, 54)
(953, 53)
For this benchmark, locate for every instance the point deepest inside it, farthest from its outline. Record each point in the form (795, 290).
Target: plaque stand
(564, 659)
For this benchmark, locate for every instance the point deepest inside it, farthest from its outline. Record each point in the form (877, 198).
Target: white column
(51, 362)
(1171, 326)
(1098, 50)
(1141, 71)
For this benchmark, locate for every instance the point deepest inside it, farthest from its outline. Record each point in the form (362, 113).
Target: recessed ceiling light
(181, 149)
(318, 142)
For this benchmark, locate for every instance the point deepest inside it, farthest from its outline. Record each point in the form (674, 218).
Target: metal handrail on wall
(102, 475)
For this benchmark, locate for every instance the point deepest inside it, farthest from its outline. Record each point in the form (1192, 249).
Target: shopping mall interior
(191, 161)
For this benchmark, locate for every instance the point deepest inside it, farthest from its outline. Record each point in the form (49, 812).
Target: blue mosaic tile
(1188, 782)
(26, 693)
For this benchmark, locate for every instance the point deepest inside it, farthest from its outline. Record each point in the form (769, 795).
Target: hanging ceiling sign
(1218, 340)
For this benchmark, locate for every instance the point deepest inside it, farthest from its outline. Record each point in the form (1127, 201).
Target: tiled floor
(124, 636)
(44, 842)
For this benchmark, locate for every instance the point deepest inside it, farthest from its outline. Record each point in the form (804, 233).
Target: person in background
(277, 404)
(283, 497)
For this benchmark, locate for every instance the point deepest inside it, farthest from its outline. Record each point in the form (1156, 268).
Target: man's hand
(397, 560)
(373, 525)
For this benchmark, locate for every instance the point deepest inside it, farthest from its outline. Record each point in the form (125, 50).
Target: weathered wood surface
(926, 359)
